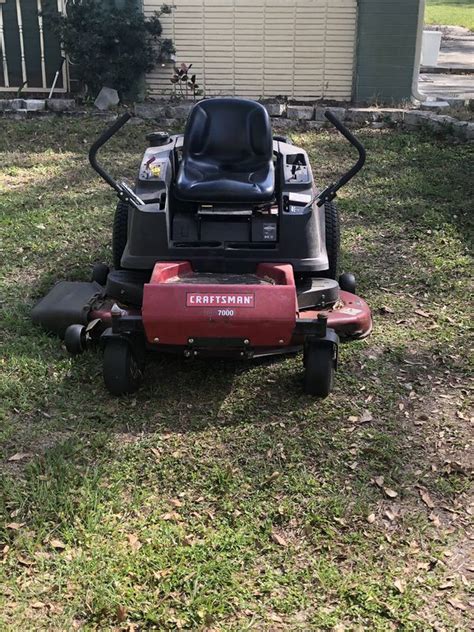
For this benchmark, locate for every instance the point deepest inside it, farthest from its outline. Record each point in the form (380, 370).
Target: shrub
(111, 46)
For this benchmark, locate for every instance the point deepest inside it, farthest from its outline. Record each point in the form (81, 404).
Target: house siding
(302, 49)
(386, 49)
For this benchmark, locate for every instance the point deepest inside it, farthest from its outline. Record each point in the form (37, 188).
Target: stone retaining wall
(312, 116)
(283, 116)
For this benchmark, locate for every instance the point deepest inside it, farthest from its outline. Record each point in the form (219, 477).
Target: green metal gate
(30, 53)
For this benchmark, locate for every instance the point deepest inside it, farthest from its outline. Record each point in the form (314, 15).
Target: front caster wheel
(320, 366)
(347, 282)
(100, 272)
(75, 339)
(122, 368)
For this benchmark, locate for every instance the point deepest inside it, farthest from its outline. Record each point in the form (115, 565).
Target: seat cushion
(202, 182)
(227, 154)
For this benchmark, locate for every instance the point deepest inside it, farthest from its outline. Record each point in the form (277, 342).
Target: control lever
(330, 192)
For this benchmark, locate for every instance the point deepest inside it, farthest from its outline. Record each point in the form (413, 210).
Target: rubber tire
(122, 369)
(333, 238)
(100, 272)
(119, 233)
(75, 339)
(319, 370)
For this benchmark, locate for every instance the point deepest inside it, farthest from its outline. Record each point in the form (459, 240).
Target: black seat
(227, 154)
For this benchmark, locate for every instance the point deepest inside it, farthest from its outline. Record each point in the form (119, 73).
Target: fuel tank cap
(156, 139)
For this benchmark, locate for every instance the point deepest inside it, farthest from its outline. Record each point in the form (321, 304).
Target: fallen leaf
(24, 561)
(14, 526)
(371, 518)
(365, 417)
(391, 493)
(386, 310)
(38, 604)
(156, 452)
(278, 539)
(390, 515)
(353, 419)
(57, 544)
(134, 542)
(420, 312)
(456, 603)
(121, 613)
(379, 481)
(399, 585)
(271, 478)
(434, 519)
(19, 456)
(176, 503)
(171, 515)
(446, 586)
(425, 497)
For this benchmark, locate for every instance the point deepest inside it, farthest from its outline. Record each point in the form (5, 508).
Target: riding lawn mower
(224, 247)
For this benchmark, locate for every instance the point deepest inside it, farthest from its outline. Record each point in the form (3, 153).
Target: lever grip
(349, 136)
(330, 192)
(109, 132)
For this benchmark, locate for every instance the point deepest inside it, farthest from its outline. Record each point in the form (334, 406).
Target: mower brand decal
(199, 299)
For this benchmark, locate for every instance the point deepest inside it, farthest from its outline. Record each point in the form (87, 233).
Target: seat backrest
(233, 134)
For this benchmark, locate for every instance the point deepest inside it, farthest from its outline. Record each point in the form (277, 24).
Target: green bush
(111, 46)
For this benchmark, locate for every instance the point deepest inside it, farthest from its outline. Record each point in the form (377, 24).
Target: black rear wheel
(320, 365)
(119, 233)
(122, 367)
(333, 238)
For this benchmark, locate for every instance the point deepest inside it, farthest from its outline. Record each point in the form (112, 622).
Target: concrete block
(469, 131)
(460, 130)
(17, 104)
(440, 123)
(337, 111)
(392, 115)
(150, 110)
(275, 109)
(60, 105)
(363, 116)
(179, 111)
(300, 112)
(415, 118)
(5, 104)
(434, 106)
(35, 105)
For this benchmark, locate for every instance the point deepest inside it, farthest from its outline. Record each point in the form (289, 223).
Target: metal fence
(30, 53)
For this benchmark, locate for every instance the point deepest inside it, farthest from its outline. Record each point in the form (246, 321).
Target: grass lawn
(452, 12)
(220, 496)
